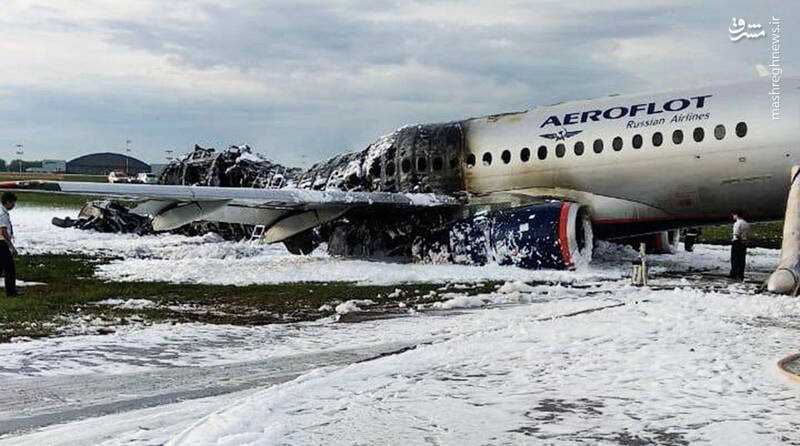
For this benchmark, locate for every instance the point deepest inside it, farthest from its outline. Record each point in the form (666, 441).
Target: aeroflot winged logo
(561, 134)
(620, 111)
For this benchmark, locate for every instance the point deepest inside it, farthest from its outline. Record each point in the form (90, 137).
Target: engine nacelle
(553, 234)
(664, 242)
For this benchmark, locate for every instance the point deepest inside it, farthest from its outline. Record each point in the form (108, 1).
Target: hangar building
(104, 163)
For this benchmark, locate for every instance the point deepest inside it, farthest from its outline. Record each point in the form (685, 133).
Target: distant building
(105, 163)
(49, 166)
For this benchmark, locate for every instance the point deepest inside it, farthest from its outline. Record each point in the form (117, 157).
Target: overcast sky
(300, 81)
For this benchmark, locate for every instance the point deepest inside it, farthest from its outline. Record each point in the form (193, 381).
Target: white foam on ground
(127, 304)
(671, 366)
(353, 306)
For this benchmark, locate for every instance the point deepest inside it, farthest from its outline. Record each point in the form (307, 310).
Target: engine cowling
(554, 234)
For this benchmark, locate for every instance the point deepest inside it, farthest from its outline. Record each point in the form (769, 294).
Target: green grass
(762, 234)
(39, 199)
(15, 176)
(51, 199)
(70, 288)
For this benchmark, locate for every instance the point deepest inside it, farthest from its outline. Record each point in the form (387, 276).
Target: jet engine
(554, 234)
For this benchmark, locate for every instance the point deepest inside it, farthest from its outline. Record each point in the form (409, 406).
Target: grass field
(50, 199)
(70, 289)
(14, 176)
(30, 199)
(764, 234)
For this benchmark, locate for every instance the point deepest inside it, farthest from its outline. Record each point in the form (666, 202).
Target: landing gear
(303, 243)
(690, 238)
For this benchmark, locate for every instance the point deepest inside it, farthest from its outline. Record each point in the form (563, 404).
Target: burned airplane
(531, 188)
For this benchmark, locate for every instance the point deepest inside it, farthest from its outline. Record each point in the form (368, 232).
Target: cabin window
(561, 150)
(542, 153)
(438, 163)
(719, 131)
(375, 169)
(658, 138)
(406, 165)
(616, 144)
(637, 141)
(525, 154)
(699, 134)
(471, 160)
(741, 129)
(390, 169)
(422, 164)
(677, 136)
(487, 159)
(597, 146)
(579, 148)
(506, 156)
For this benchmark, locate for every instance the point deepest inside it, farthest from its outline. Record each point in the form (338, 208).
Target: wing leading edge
(287, 198)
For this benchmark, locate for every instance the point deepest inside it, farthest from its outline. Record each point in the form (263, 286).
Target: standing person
(741, 229)
(7, 249)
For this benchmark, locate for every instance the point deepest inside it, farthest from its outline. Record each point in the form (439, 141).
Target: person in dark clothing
(741, 230)
(7, 248)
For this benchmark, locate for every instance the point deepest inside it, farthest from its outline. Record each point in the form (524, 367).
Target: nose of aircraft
(782, 281)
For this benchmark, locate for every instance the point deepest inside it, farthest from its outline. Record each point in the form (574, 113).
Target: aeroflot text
(673, 105)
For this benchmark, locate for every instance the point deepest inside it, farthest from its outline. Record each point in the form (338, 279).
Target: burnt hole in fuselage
(410, 159)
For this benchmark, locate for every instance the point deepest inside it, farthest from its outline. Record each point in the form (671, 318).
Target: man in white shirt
(741, 230)
(7, 248)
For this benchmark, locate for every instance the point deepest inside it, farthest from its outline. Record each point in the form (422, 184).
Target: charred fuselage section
(420, 158)
(236, 166)
(413, 159)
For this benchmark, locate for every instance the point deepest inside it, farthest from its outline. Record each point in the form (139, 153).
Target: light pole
(169, 154)
(127, 151)
(20, 153)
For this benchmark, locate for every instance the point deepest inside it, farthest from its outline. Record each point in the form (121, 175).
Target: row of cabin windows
(616, 144)
(437, 165)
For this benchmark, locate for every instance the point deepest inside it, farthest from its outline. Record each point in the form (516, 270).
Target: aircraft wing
(284, 212)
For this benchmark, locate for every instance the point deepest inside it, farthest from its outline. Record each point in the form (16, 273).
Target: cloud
(316, 78)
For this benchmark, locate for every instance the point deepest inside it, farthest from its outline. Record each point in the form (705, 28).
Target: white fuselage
(689, 181)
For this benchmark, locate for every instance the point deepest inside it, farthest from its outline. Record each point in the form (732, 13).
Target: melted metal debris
(237, 166)
(107, 216)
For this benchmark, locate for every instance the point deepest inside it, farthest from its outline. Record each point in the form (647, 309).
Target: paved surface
(35, 402)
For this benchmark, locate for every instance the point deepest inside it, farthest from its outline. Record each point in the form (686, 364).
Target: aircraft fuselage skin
(696, 177)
